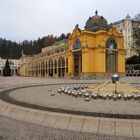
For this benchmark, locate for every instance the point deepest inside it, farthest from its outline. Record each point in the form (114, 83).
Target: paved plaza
(40, 95)
(17, 122)
(19, 81)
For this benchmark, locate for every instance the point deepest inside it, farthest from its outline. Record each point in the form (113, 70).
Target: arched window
(63, 62)
(111, 56)
(77, 44)
(111, 44)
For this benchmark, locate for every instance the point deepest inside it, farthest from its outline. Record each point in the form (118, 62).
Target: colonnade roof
(55, 45)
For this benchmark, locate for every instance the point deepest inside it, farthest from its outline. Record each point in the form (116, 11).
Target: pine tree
(7, 70)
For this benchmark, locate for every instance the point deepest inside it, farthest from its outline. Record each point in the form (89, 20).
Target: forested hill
(13, 50)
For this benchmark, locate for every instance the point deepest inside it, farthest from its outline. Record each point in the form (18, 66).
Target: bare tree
(136, 33)
(137, 17)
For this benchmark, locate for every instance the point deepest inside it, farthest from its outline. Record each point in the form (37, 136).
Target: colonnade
(49, 68)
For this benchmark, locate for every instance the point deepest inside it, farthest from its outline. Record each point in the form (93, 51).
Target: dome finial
(77, 26)
(96, 12)
(128, 17)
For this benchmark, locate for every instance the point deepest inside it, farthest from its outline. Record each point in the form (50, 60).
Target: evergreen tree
(68, 35)
(13, 50)
(62, 36)
(7, 70)
(133, 60)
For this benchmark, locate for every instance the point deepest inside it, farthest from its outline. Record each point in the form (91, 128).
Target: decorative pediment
(76, 32)
(113, 32)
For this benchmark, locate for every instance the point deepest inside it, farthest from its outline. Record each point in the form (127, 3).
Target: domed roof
(96, 22)
(128, 17)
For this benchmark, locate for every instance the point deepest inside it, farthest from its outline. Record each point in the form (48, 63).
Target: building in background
(23, 65)
(97, 50)
(125, 26)
(14, 65)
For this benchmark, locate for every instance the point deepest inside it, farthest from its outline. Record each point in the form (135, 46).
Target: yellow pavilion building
(98, 50)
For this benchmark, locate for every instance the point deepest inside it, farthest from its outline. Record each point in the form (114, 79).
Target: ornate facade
(98, 50)
(125, 26)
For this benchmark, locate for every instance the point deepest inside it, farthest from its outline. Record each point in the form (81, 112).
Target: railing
(132, 72)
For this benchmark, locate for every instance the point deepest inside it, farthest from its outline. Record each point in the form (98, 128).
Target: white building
(23, 64)
(125, 26)
(14, 65)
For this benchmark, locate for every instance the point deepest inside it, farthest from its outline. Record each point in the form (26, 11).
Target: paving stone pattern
(39, 126)
(11, 129)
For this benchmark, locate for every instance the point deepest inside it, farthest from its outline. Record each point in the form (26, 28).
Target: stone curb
(96, 125)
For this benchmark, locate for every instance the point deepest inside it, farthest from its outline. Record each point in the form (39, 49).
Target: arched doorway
(42, 68)
(66, 65)
(55, 67)
(46, 67)
(59, 67)
(32, 69)
(77, 57)
(63, 67)
(51, 68)
(36, 68)
(111, 56)
(39, 69)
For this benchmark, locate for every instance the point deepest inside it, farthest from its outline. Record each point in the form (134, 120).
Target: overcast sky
(30, 19)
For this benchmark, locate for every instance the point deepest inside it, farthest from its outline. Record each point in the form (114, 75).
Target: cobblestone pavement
(11, 129)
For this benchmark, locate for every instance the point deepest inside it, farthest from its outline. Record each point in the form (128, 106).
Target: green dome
(96, 22)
